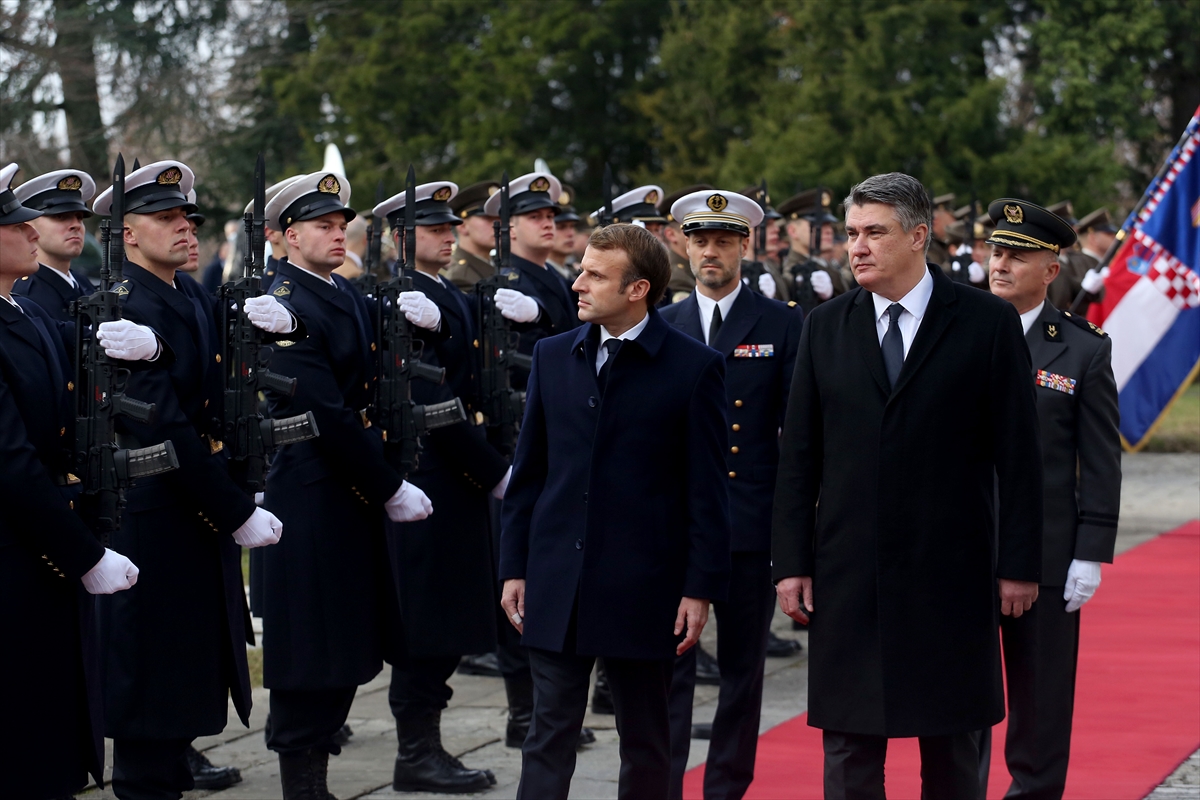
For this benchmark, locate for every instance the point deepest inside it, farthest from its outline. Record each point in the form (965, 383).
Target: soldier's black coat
(620, 504)
(904, 634)
(327, 595)
(443, 566)
(53, 293)
(757, 390)
(175, 644)
(51, 691)
(544, 284)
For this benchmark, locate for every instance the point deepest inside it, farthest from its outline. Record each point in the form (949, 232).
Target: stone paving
(1160, 492)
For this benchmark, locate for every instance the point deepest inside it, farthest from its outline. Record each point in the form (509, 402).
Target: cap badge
(717, 202)
(826, 199)
(1014, 214)
(492, 190)
(652, 197)
(442, 194)
(169, 177)
(564, 199)
(71, 183)
(329, 185)
(539, 185)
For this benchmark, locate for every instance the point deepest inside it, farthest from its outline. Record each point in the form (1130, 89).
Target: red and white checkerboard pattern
(1180, 285)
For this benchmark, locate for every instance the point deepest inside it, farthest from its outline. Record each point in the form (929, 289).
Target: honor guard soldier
(769, 258)
(943, 216)
(50, 561)
(471, 260)
(1073, 265)
(682, 280)
(61, 197)
(758, 338)
(1096, 235)
(1078, 420)
(274, 237)
(445, 577)
(562, 257)
(639, 207)
(327, 591)
(813, 280)
(175, 648)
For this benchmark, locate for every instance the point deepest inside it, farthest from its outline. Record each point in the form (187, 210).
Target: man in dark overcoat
(897, 560)
(758, 338)
(616, 519)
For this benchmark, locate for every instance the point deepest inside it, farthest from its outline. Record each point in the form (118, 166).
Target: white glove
(263, 528)
(516, 306)
(502, 486)
(976, 273)
(420, 310)
(127, 341)
(112, 573)
(1093, 280)
(268, 314)
(1083, 579)
(408, 504)
(822, 284)
(766, 285)
(259, 498)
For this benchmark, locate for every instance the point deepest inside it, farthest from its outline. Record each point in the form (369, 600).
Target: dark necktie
(714, 327)
(612, 346)
(893, 344)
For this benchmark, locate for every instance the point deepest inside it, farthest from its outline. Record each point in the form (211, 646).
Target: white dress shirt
(914, 303)
(66, 276)
(330, 281)
(13, 303)
(1030, 316)
(629, 335)
(707, 304)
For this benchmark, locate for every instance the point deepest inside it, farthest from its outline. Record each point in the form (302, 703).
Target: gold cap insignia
(71, 183)
(826, 199)
(329, 185)
(564, 199)
(169, 177)
(442, 194)
(979, 231)
(492, 190)
(1014, 214)
(539, 185)
(652, 197)
(717, 202)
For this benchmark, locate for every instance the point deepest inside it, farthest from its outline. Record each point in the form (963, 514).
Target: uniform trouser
(560, 696)
(304, 719)
(419, 685)
(744, 621)
(1041, 650)
(150, 769)
(854, 766)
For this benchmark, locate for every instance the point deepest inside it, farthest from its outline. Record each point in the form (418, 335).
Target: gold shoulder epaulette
(1085, 324)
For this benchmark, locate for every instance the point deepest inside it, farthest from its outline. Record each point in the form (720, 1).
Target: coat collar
(1043, 351)
(650, 340)
(16, 321)
(441, 294)
(547, 276)
(178, 302)
(335, 295)
(743, 315)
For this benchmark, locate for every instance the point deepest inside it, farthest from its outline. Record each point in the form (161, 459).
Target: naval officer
(62, 197)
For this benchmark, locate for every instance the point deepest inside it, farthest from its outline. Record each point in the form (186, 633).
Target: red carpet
(1137, 705)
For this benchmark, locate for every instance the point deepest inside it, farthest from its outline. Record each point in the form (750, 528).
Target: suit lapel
(175, 299)
(1043, 352)
(63, 289)
(938, 314)
(551, 280)
(743, 316)
(444, 297)
(19, 324)
(866, 339)
(688, 319)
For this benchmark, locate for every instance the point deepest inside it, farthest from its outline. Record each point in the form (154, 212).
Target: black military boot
(602, 702)
(304, 775)
(435, 739)
(206, 776)
(421, 767)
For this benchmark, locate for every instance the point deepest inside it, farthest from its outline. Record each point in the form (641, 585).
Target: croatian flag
(1151, 307)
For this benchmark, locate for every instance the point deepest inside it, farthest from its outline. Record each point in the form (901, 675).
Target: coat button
(218, 358)
(736, 427)
(476, 343)
(733, 474)
(372, 347)
(737, 403)
(366, 385)
(733, 449)
(70, 386)
(592, 402)
(585, 497)
(579, 544)
(62, 431)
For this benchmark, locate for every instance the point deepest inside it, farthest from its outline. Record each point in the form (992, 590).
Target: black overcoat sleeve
(527, 481)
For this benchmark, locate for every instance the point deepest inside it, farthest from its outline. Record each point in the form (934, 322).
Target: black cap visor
(12, 212)
(715, 225)
(528, 202)
(57, 201)
(313, 205)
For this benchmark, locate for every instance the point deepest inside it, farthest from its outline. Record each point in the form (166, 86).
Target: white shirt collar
(707, 304)
(353, 256)
(13, 303)
(330, 280)
(1093, 254)
(915, 302)
(1030, 316)
(628, 335)
(66, 276)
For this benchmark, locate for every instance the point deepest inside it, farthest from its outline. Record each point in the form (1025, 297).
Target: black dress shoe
(778, 647)
(207, 776)
(342, 737)
(487, 665)
(702, 730)
(707, 671)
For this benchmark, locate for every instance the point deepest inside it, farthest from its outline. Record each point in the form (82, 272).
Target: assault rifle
(501, 405)
(606, 211)
(106, 470)
(402, 420)
(249, 437)
(755, 269)
(366, 282)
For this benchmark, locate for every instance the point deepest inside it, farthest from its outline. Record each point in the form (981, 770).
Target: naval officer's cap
(432, 206)
(268, 196)
(63, 191)
(310, 196)
(11, 210)
(637, 205)
(155, 187)
(664, 205)
(715, 209)
(1022, 225)
(469, 201)
(527, 194)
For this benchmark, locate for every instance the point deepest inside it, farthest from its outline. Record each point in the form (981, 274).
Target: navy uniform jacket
(757, 380)
(175, 644)
(53, 293)
(45, 548)
(620, 503)
(1081, 447)
(544, 284)
(326, 585)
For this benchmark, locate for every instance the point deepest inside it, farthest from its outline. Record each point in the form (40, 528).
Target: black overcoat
(905, 630)
(53, 293)
(327, 596)
(619, 503)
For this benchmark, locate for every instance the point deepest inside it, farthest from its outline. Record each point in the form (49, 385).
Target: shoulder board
(123, 289)
(792, 304)
(283, 289)
(1085, 324)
